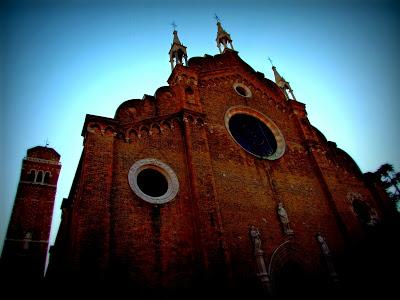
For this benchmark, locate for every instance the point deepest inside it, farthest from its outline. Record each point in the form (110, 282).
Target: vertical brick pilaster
(215, 256)
(305, 132)
(91, 210)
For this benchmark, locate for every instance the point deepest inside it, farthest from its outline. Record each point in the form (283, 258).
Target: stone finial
(177, 53)
(283, 84)
(223, 38)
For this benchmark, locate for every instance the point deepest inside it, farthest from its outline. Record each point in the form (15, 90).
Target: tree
(390, 181)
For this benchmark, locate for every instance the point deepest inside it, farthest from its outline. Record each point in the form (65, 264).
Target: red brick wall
(204, 231)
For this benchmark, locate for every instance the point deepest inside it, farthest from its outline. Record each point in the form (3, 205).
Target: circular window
(153, 181)
(252, 134)
(242, 90)
(255, 132)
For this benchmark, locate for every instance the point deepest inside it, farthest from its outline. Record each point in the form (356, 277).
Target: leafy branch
(390, 181)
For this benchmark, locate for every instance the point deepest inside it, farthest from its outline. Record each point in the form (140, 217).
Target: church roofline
(30, 150)
(161, 89)
(197, 61)
(68, 201)
(345, 154)
(340, 152)
(93, 118)
(320, 134)
(126, 103)
(129, 103)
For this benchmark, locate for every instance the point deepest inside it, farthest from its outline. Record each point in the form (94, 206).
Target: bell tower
(26, 244)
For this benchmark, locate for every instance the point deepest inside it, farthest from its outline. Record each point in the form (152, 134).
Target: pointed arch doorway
(291, 274)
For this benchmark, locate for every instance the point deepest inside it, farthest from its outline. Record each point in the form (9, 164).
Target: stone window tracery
(255, 132)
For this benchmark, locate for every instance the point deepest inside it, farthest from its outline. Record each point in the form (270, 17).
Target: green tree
(390, 181)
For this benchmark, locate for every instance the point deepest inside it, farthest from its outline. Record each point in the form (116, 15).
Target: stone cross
(270, 60)
(174, 25)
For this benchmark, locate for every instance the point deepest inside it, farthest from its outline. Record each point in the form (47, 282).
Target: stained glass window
(253, 135)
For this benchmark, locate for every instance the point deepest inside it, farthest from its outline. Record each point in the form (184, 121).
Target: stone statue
(374, 218)
(283, 216)
(327, 256)
(323, 245)
(259, 256)
(255, 237)
(27, 240)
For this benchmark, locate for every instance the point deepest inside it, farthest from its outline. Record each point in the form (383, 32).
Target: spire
(177, 52)
(223, 37)
(282, 83)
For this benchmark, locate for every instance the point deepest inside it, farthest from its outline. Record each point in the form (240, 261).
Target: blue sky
(61, 60)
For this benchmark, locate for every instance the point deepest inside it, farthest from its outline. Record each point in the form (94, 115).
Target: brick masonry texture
(201, 238)
(32, 213)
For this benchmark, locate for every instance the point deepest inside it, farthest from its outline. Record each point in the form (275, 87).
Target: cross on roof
(216, 18)
(270, 60)
(174, 25)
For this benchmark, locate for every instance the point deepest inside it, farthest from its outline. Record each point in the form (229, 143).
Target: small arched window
(362, 211)
(39, 177)
(189, 91)
(46, 177)
(31, 176)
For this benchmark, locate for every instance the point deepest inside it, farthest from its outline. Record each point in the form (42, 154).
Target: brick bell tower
(25, 247)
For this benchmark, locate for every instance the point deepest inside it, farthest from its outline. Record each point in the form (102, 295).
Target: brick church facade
(217, 181)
